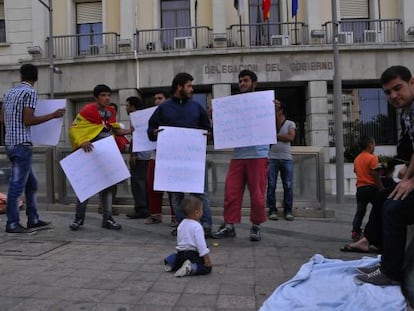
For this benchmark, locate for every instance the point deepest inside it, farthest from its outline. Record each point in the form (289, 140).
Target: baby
(192, 256)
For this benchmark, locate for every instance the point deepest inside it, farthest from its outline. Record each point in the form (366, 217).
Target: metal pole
(337, 107)
(50, 51)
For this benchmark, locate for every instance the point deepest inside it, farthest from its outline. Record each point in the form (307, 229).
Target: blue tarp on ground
(329, 284)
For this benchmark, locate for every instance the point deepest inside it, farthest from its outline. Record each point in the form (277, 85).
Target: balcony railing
(179, 38)
(82, 45)
(267, 34)
(366, 31)
(358, 31)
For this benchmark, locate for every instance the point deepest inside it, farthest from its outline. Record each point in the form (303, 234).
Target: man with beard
(181, 111)
(397, 211)
(247, 167)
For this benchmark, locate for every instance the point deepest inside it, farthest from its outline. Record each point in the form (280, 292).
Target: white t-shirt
(190, 237)
(282, 150)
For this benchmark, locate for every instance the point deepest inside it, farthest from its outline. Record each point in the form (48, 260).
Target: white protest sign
(139, 120)
(180, 160)
(91, 172)
(242, 120)
(47, 133)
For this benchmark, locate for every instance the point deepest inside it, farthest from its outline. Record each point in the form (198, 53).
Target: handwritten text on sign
(139, 120)
(244, 120)
(180, 160)
(91, 172)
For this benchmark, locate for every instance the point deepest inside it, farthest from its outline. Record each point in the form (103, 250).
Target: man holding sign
(95, 121)
(18, 116)
(248, 167)
(181, 111)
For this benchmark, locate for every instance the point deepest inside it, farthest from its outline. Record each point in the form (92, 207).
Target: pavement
(99, 269)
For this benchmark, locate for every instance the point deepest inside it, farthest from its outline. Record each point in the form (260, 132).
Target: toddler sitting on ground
(192, 256)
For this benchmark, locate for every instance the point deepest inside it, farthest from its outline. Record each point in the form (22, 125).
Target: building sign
(269, 67)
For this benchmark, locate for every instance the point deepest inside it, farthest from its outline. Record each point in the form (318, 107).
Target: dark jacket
(179, 113)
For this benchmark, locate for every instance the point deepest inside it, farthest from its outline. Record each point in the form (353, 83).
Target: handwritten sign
(180, 160)
(244, 120)
(139, 120)
(47, 133)
(91, 172)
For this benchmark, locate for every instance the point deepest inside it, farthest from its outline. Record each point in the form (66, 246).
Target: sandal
(152, 220)
(350, 249)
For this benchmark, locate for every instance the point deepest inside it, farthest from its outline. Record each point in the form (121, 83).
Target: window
(365, 113)
(261, 34)
(89, 27)
(174, 13)
(2, 23)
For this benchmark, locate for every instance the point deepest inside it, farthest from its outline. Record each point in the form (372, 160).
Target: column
(221, 90)
(317, 126)
(219, 24)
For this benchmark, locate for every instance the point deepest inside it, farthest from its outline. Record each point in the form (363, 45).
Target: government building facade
(137, 46)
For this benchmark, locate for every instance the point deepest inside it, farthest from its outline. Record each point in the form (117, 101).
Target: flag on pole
(295, 7)
(266, 9)
(240, 6)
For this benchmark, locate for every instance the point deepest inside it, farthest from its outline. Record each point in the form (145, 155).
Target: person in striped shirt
(18, 116)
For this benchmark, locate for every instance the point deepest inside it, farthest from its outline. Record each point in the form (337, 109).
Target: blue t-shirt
(251, 152)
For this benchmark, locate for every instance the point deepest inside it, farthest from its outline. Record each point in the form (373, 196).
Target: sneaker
(355, 236)
(184, 270)
(39, 225)
(20, 230)
(289, 217)
(111, 224)
(167, 267)
(224, 231)
(376, 278)
(273, 216)
(76, 224)
(255, 234)
(367, 270)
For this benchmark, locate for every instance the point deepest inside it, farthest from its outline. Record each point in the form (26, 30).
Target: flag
(240, 6)
(266, 9)
(295, 7)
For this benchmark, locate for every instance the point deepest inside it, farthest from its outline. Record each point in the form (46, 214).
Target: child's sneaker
(167, 267)
(184, 270)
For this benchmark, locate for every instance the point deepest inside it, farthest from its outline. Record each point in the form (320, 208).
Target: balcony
(366, 31)
(85, 45)
(278, 35)
(267, 34)
(179, 38)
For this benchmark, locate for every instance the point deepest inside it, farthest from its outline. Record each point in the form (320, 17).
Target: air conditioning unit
(150, 46)
(373, 36)
(98, 49)
(183, 43)
(346, 37)
(279, 40)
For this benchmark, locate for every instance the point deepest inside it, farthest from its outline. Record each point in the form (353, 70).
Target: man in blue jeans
(181, 111)
(398, 210)
(280, 160)
(18, 115)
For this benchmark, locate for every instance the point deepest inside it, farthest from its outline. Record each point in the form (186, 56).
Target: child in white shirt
(192, 256)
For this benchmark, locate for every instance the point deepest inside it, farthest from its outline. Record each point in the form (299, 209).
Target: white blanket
(329, 284)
